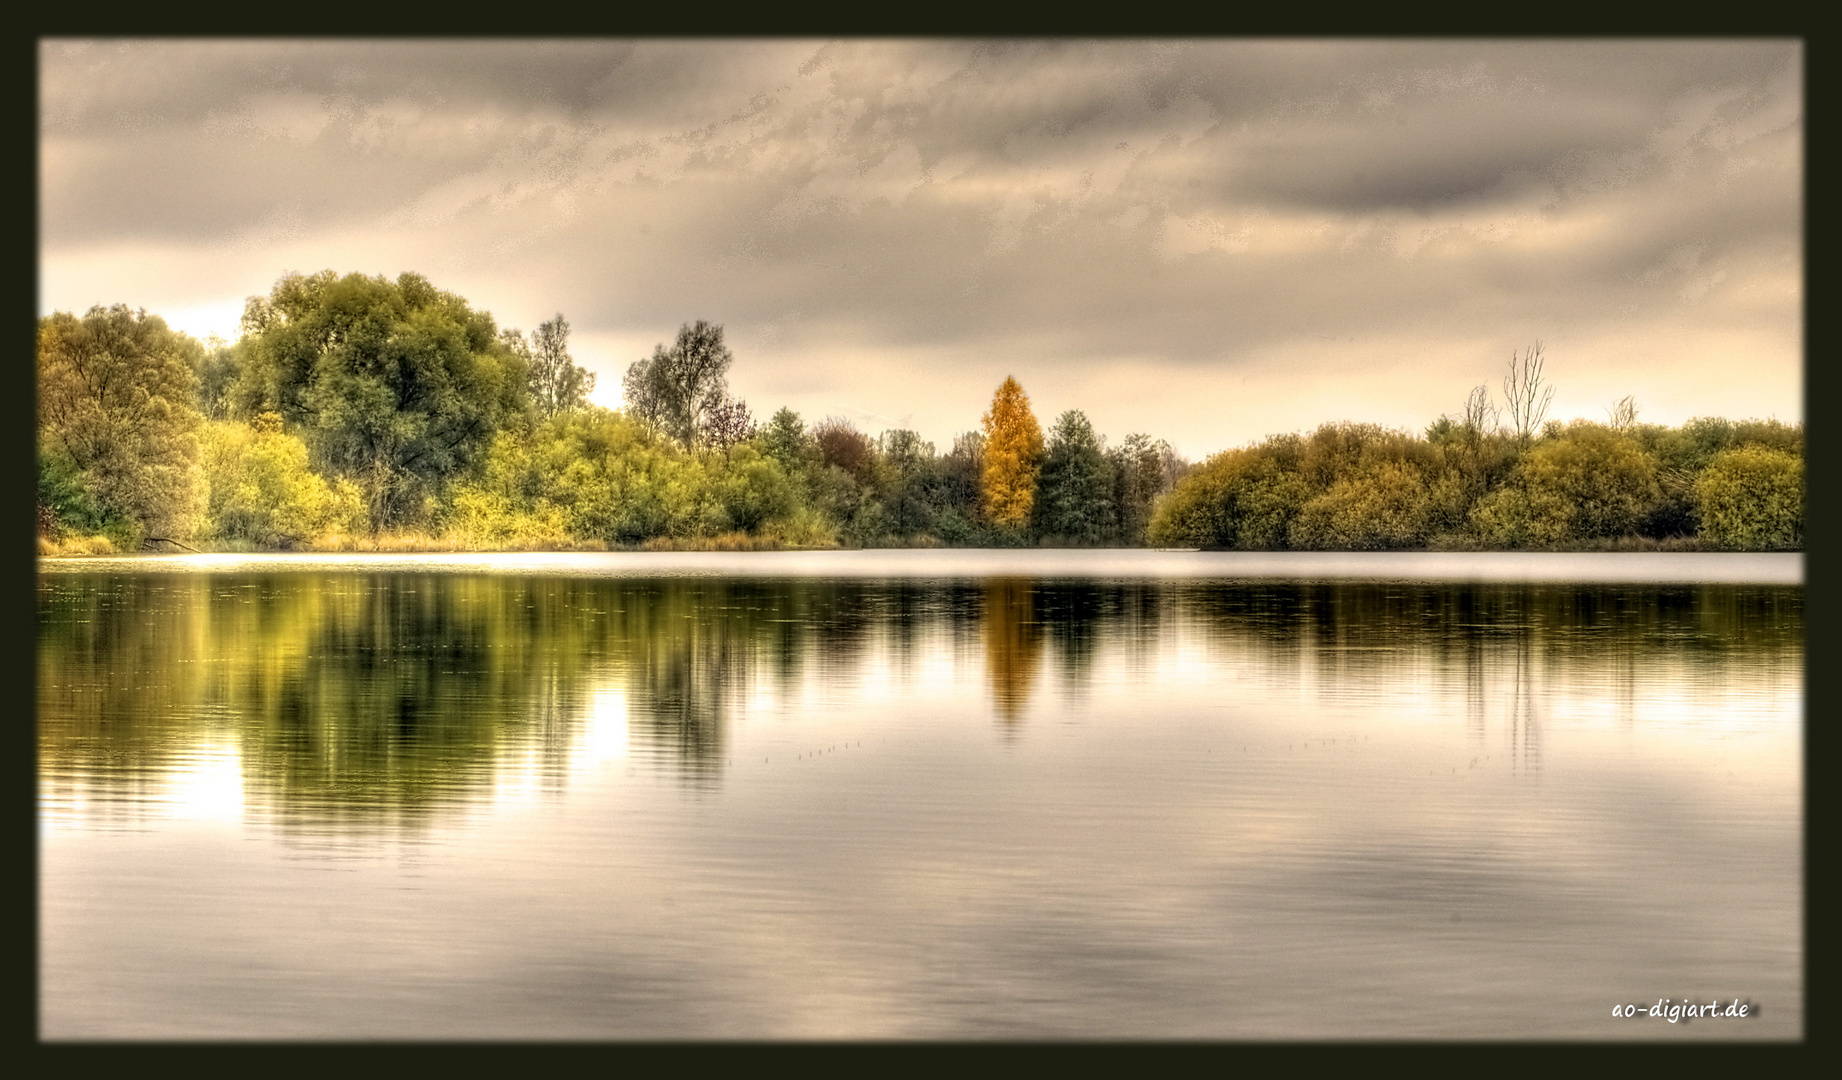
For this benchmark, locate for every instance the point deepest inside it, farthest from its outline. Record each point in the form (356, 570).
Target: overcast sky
(1206, 240)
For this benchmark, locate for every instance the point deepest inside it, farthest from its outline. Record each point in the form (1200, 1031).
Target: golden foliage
(1013, 455)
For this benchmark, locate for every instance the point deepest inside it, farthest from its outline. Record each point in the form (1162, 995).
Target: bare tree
(1623, 413)
(1481, 417)
(729, 424)
(1527, 396)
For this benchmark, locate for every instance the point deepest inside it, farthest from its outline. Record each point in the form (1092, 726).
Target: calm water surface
(957, 795)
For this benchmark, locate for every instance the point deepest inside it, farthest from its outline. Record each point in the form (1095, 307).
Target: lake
(929, 794)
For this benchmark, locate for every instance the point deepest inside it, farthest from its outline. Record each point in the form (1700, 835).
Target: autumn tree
(842, 446)
(117, 420)
(1013, 455)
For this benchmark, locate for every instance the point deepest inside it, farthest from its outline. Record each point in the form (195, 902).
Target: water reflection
(375, 700)
(1013, 645)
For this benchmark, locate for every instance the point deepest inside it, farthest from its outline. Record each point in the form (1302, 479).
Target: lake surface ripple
(990, 795)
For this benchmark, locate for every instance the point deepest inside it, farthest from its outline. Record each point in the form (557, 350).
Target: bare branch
(1623, 413)
(1527, 396)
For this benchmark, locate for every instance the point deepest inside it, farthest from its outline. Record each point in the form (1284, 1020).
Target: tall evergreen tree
(1074, 497)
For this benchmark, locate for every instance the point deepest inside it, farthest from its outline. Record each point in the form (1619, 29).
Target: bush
(261, 490)
(1582, 482)
(1381, 506)
(1752, 499)
(1238, 498)
(596, 475)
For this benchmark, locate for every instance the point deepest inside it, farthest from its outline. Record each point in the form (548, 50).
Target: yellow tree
(1013, 454)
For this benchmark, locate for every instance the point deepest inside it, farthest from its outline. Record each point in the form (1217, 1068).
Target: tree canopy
(557, 383)
(682, 390)
(1013, 454)
(117, 421)
(354, 404)
(396, 384)
(1751, 498)
(1074, 493)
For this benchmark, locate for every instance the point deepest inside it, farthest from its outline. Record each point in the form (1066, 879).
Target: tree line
(1502, 477)
(352, 409)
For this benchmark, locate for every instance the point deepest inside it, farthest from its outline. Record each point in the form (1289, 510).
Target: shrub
(260, 488)
(1752, 499)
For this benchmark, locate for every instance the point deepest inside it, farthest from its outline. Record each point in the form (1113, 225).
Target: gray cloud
(1072, 207)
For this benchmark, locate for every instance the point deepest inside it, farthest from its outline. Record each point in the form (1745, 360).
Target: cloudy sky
(1206, 240)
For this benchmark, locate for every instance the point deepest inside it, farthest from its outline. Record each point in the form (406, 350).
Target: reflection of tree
(375, 699)
(117, 676)
(361, 700)
(1013, 644)
(408, 693)
(1368, 638)
(1524, 719)
(686, 656)
(1073, 613)
(1474, 687)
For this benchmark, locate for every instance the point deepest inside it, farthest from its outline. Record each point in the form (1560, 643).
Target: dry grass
(415, 542)
(1609, 544)
(729, 541)
(76, 545)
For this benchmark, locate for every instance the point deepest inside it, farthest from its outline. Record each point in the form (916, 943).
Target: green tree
(1752, 499)
(958, 516)
(1378, 505)
(558, 384)
(261, 489)
(218, 367)
(118, 422)
(681, 389)
(395, 384)
(910, 479)
(785, 440)
(1140, 476)
(1013, 454)
(1074, 496)
(1586, 482)
(1246, 498)
(596, 474)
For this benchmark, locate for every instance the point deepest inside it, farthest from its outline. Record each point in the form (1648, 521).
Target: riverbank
(424, 543)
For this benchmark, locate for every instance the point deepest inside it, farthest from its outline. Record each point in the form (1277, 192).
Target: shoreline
(1504, 567)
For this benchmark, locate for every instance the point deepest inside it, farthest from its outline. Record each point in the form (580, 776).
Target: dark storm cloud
(1069, 204)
